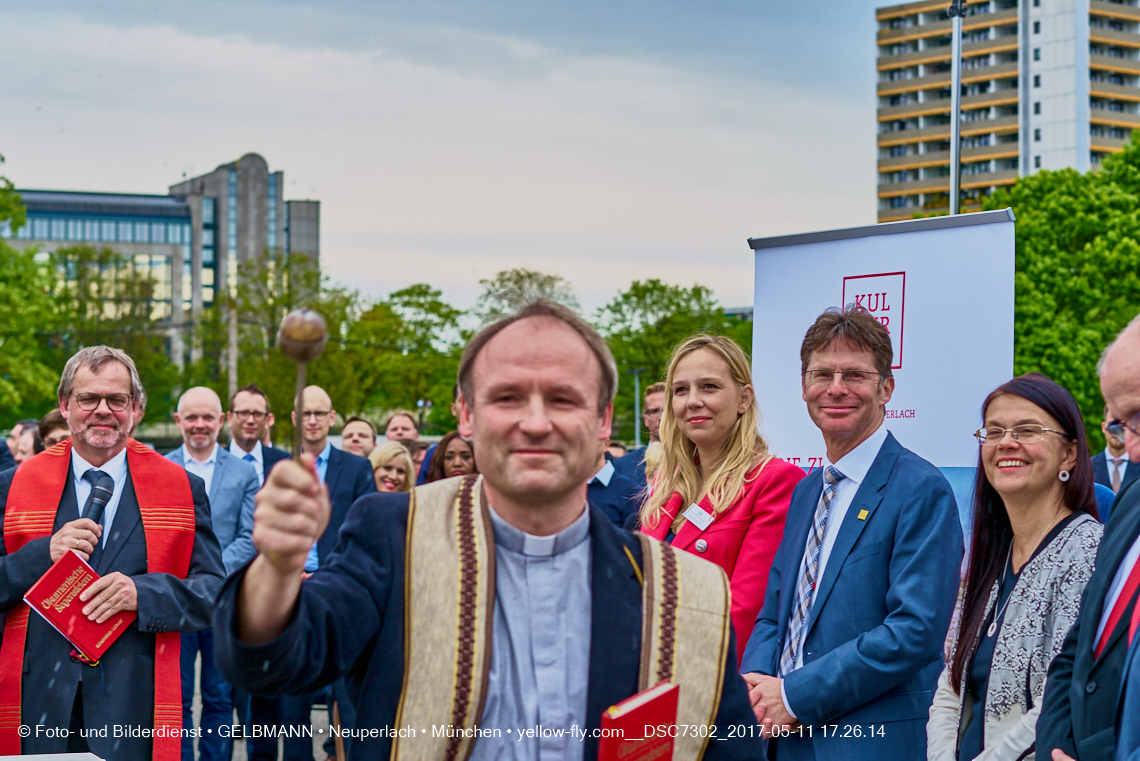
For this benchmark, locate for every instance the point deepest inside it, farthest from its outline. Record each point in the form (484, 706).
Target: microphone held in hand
(102, 488)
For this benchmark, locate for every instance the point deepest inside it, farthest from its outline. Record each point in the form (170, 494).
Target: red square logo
(884, 297)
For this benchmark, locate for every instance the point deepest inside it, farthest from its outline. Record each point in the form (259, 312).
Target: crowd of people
(526, 572)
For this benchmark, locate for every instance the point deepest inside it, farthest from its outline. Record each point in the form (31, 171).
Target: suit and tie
(120, 690)
(1105, 471)
(348, 477)
(1082, 690)
(261, 457)
(863, 646)
(230, 484)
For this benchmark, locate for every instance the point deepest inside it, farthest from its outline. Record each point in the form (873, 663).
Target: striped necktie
(809, 571)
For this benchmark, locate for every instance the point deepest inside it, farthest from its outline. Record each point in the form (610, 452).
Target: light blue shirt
(605, 475)
(204, 470)
(540, 644)
(255, 458)
(312, 562)
(116, 468)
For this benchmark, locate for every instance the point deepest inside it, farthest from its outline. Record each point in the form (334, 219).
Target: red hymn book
(644, 725)
(56, 597)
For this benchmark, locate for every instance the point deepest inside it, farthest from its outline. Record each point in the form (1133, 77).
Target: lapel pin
(863, 515)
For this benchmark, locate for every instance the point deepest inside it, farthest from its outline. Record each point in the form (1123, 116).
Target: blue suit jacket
(632, 466)
(270, 456)
(873, 647)
(350, 621)
(348, 478)
(121, 689)
(1082, 691)
(231, 505)
(1102, 476)
(619, 499)
(6, 459)
(1128, 714)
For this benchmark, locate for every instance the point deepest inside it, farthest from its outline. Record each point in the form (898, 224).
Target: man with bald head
(1079, 710)
(230, 486)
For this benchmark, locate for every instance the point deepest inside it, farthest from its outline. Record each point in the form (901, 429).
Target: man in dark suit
(249, 420)
(567, 598)
(1112, 467)
(6, 459)
(230, 484)
(347, 477)
(1082, 690)
(862, 589)
(143, 500)
(632, 464)
(614, 494)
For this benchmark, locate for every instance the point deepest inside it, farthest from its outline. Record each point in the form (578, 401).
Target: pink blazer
(742, 540)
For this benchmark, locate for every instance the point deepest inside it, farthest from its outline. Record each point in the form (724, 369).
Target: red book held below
(640, 728)
(56, 597)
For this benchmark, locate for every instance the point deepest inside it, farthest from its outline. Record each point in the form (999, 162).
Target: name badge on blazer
(697, 516)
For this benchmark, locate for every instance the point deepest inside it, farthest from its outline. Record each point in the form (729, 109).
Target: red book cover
(644, 726)
(56, 597)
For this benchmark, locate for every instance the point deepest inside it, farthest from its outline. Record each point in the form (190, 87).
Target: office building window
(1037, 27)
(1036, 54)
(59, 229)
(125, 232)
(207, 211)
(1036, 162)
(1037, 135)
(142, 232)
(1036, 80)
(271, 214)
(1037, 108)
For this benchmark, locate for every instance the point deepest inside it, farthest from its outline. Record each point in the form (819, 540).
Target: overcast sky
(601, 141)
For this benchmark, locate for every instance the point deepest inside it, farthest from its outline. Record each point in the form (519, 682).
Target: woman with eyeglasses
(1035, 537)
(719, 493)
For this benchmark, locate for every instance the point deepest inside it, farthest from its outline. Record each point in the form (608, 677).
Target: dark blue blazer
(619, 499)
(1082, 693)
(350, 621)
(632, 466)
(1128, 714)
(270, 456)
(1102, 475)
(348, 478)
(121, 689)
(873, 648)
(6, 459)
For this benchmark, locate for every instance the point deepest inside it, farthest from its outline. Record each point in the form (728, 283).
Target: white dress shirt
(204, 469)
(1116, 463)
(116, 468)
(257, 461)
(604, 475)
(854, 466)
(1122, 573)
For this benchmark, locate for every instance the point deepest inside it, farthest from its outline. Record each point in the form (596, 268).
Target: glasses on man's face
(1023, 434)
(655, 412)
(315, 414)
(1116, 428)
(90, 402)
(848, 378)
(257, 415)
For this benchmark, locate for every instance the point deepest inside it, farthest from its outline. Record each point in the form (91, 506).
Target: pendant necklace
(997, 616)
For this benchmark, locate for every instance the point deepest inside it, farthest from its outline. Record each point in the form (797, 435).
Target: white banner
(944, 289)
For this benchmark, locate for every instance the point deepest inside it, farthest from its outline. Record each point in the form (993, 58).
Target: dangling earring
(1063, 475)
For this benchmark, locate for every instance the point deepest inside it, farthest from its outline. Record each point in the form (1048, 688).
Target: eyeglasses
(1023, 434)
(315, 414)
(846, 377)
(90, 402)
(1116, 427)
(257, 415)
(655, 412)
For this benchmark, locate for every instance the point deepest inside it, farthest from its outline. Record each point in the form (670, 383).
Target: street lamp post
(637, 371)
(957, 12)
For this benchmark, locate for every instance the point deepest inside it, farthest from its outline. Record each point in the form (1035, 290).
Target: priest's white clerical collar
(510, 538)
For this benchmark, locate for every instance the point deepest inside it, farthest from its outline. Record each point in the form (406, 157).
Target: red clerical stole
(167, 510)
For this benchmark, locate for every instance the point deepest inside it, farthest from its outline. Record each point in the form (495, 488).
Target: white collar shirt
(116, 468)
(204, 469)
(254, 456)
(605, 475)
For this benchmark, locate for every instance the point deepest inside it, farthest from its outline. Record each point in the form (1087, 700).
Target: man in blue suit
(614, 494)
(847, 649)
(249, 419)
(230, 486)
(1112, 467)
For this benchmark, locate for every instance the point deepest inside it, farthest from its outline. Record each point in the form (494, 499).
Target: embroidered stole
(166, 506)
(449, 604)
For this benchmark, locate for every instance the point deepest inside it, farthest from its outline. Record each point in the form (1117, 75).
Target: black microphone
(101, 492)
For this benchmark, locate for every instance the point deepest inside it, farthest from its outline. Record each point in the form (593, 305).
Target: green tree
(510, 289)
(12, 211)
(1077, 265)
(643, 325)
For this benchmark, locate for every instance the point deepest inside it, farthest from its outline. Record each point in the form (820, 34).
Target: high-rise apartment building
(1046, 84)
(190, 241)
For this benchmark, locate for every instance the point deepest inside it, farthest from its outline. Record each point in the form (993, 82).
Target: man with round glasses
(143, 524)
(249, 420)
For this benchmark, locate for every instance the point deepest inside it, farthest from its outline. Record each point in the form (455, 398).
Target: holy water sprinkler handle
(302, 338)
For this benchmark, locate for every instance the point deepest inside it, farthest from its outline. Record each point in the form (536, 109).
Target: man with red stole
(154, 550)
